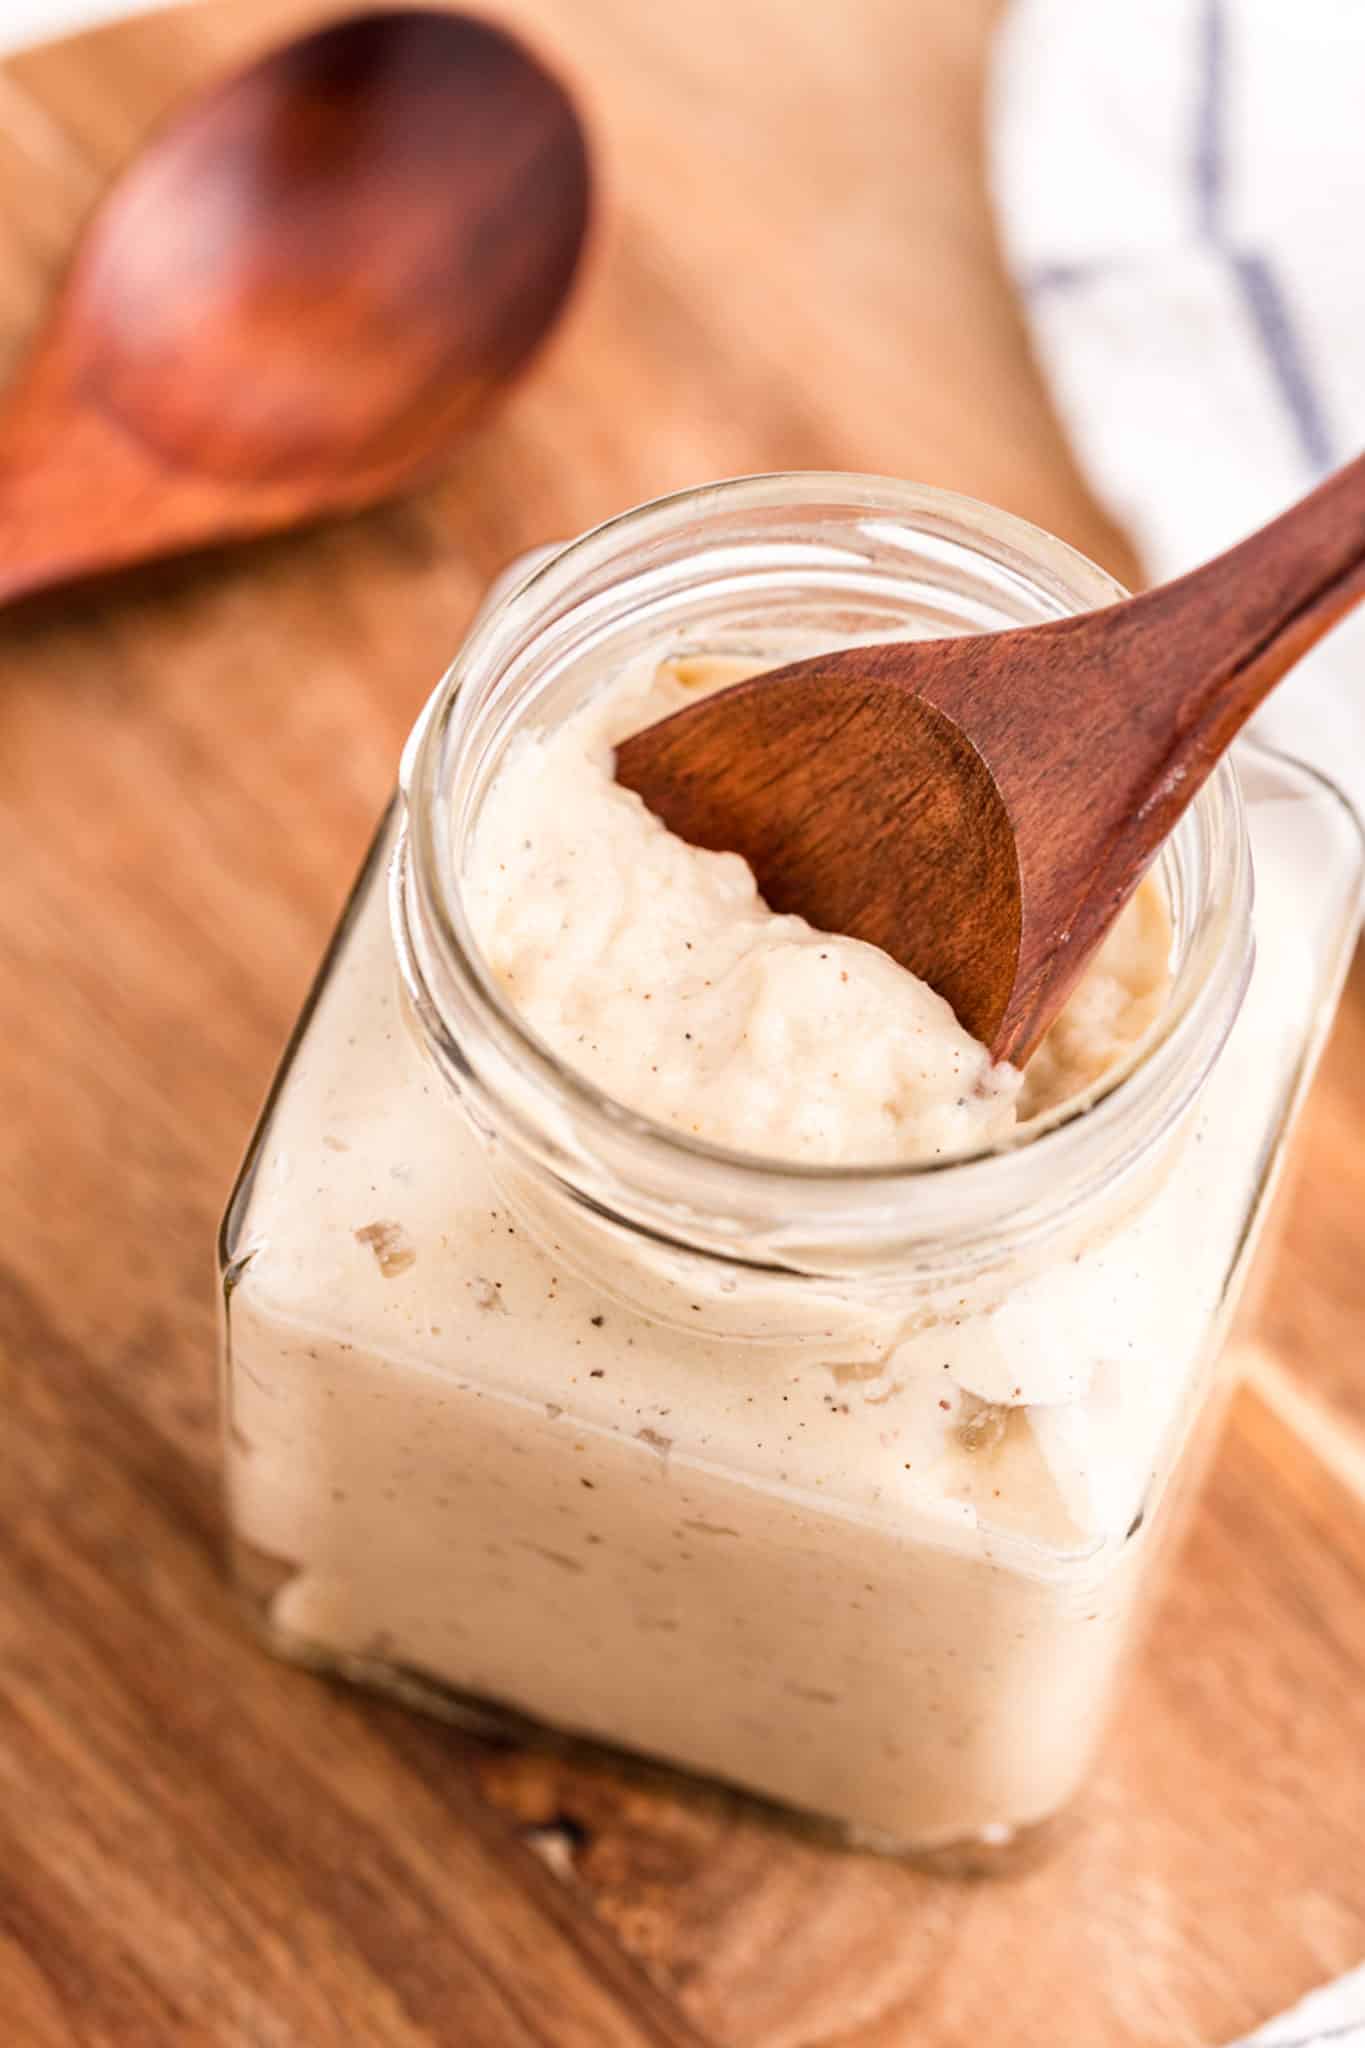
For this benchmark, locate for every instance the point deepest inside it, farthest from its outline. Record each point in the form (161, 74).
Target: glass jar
(839, 1486)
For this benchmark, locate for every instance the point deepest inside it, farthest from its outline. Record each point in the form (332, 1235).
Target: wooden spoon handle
(79, 495)
(1154, 693)
(1142, 699)
(75, 494)
(41, 514)
(1249, 615)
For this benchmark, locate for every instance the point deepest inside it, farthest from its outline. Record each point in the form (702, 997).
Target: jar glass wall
(839, 1486)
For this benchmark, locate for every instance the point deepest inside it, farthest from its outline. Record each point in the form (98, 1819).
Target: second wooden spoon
(982, 808)
(295, 296)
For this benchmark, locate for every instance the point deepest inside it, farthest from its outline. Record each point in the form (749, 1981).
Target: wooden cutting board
(197, 1845)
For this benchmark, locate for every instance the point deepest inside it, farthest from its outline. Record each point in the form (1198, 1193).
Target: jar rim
(559, 1115)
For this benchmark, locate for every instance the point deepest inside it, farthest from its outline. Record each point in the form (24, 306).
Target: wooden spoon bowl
(295, 297)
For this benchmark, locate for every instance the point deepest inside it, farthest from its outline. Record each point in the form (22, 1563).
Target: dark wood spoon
(983, 807)
(295, 296)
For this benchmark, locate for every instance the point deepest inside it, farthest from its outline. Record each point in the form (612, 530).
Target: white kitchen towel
(35, 21)
(1179, 186)
(1331, 2018)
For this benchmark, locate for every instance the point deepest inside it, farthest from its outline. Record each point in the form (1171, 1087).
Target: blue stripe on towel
(1061, 277)
(1210, 150)
(1269, 313)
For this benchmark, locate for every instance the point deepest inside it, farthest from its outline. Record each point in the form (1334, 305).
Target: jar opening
(847, 555)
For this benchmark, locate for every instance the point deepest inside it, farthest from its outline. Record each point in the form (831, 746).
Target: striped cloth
(1180, 186)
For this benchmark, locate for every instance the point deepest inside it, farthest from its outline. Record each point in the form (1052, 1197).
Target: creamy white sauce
(657, 970)
(869, 1558)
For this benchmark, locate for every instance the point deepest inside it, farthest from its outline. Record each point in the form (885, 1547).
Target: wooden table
(196, 1845)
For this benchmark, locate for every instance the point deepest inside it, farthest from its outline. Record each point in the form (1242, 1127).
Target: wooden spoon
(295, 295)
(982, 807)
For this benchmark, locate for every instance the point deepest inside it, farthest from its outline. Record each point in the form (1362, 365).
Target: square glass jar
(838, 1485)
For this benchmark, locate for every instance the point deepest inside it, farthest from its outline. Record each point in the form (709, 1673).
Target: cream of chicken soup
(861, 1535)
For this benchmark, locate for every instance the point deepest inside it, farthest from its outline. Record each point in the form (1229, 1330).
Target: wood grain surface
(196, 1845)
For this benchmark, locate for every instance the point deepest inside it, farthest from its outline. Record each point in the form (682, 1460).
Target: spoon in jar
(295, 295)
(982, 808)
